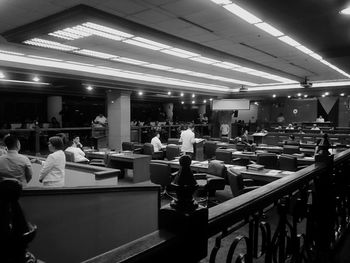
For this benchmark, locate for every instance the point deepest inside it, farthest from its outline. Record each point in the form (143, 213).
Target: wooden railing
(311, 210)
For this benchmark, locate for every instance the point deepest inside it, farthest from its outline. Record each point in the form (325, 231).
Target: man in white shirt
(14, 165)
(100, 120)
(320, 119)
(187, 139)
(79, 155)
(157, 144)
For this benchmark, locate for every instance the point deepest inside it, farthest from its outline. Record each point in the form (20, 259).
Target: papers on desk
(198, 140)
(309, 158)
(287, 172)
(273, 172)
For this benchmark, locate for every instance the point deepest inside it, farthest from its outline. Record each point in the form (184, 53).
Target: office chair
(15, 232)
(173, 141)
(148, 149)
(288, 162)
(224, 155)
(209, 149)
(130, 146)
(172, 151)
(237, 184)
(160, 173)
(69, 156)
(269, 160)
(290, 149)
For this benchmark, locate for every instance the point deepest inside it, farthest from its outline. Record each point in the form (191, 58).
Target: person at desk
(76, 142)
(157, 144)
(290, 127)
(100, 120)
(187, 140)
(315, 127)
(320, 119)
(224, 129)
(280, 118)
(52, 173)
(14, 165)
(79, 155)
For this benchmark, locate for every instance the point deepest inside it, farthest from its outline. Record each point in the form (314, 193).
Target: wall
(344, 112)
(250, 115)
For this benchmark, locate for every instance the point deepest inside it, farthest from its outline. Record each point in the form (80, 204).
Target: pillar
(118, 114)
(54, 107)
(168, 109)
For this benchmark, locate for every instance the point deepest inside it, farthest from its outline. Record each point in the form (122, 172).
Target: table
(258, 137)
(138, 162)
(264, 175)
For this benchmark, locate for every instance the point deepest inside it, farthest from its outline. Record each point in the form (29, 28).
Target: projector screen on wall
(231, 104)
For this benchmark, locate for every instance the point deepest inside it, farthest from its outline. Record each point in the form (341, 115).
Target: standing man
(14, 165)
(101, 120)
(157, 144)
(187, 140)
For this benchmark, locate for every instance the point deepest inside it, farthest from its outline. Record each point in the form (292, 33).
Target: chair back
(289, 142)
(290, 149)
(69, 156)
(160, 173)
(128, 146)
(225, 139)
(173, 141)
(209, 149)
(269, 160)
(217, 168)
(288, 162)
(235, 181)
(148, 148)
(240, 146)
(172, 151)
(224, 155)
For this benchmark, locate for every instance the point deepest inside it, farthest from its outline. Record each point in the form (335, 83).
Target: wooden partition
(75, 224)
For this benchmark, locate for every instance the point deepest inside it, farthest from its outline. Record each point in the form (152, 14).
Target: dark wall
(344, 112)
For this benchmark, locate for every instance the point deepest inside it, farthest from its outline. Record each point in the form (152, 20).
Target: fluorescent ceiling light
(129, 61)
(150, 42)
(304, 49)
(316, 56)
(2, 75)
(108, 30)
(275, 87)
(24, 82)
(60, 36)
(205, 60)
(180, 71)
(180, 53)
(222, 2)
(53, 59)
(269, 29)
(156, 66)
(331, 84)
(93, 53)
(141, 44)
(79, 63)
(11, 53)
(227, 65)
(290, 41)
(49, 44)
(242, 13)
(345, 11)
(99, 33)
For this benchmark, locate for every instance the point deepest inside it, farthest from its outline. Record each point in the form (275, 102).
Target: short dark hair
(56, 142)
(10, 141)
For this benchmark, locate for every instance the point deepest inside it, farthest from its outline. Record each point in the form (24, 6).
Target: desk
(270, 148)
(264, 175)
(258, 137)
(138, 162)
(97, 155)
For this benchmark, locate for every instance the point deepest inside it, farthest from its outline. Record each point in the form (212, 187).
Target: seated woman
(79, 155)
(76, 142)
(52, 173)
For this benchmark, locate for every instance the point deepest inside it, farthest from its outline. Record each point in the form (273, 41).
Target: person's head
(291, 137)
(55, 144)
(100, 115)
(246, 132)
(190, 126)
(76, 139)
(321, 117)
(315, 125)
(156, 134)
(12, 142)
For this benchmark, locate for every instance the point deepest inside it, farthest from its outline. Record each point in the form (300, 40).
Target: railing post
(185, 218)
(324, 204)
(37, 140)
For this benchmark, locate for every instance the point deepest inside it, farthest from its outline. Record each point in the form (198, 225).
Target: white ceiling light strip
(49, 44)
(93, 53)
(112, 72)
(24, 82)
(88, 29)
(252, 19)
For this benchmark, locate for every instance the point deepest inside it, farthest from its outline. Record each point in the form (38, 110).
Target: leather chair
(240, 146)
(290, 149)
(289, 142)
(224, 155)
(172, 151)
(288, 162)
(173, 141)
(148, 149)
(160, 173)
(69, 156)
(237, 184)
(15, 232)
(130, 146)
(269, 160)
(209, 149)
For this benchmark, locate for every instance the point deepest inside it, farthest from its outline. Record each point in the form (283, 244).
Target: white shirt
(101, 120)
(225, 129)
(79, 155)
(319, 120)
(53, 168)
(15, 166)
(187, 139)
(157, 144)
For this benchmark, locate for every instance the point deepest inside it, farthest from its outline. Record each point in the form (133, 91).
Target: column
(54, 106)
(168, 108)
(118, 114)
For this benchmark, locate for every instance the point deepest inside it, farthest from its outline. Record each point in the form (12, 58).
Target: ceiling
(199, 26)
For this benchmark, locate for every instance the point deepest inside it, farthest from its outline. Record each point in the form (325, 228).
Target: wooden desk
(138, 162)
(264, 175)
(270, 148)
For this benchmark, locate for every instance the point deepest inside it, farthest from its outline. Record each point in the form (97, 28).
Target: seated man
(157, 144)
(76, 142)
(315, 128)
(79, 155)
(320, 119)
(14, 165)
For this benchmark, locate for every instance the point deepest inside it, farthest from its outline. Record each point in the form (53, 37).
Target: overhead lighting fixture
(180, 53)
(275, 87)
(140, 93)
(93, 53)
(305, 96)
(49, 44)
(193, 95)
(256, 103)
(205, 60)
(274, 96)
(242, 13)
(323, 95)
(36, 79)
(342, 94)
(269, 29)
(2, 75)
(141, 44)
(107, 30)
(24, 82)
(326, 93)
(331, 84)
(222, 2)
(290, 41)
(299, 94)
(129, 61)
(150, 42)
(157, 66)
(182, 102)
(289, 96)
(211, 99)
(169, 93)
(345, 11)
(89, 88)
(204, 101)
(193, 102)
